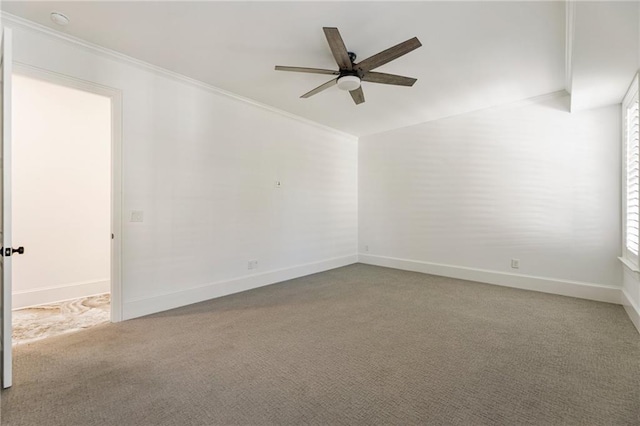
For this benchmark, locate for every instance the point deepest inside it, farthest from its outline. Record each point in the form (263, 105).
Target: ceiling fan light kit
(350, 74)
(348, 82)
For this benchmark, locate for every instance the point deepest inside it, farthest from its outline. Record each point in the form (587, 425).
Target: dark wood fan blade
(388, 55)
(382, 78)
(357, 95)
(320, 88)
(338, 48)
(309, 70)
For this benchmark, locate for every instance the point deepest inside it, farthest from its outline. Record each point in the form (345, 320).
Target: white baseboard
(632, 309)
(599, 292)
(141, 307)
(42, 296)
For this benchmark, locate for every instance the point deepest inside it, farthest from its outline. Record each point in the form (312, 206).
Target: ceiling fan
(350, 74)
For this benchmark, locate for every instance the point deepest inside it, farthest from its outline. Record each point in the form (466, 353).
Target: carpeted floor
(356, 345)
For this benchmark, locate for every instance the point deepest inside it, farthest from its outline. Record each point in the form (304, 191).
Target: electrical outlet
(515, 263)
(253, 264)
(137, 216)
(366, 248)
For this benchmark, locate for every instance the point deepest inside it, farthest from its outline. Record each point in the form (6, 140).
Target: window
(631, 176)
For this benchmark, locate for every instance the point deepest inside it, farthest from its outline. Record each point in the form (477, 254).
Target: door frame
(116, 167)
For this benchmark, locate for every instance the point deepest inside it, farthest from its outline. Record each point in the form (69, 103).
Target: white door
(5, 208)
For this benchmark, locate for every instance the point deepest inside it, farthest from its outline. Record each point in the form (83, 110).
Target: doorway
(65, 137)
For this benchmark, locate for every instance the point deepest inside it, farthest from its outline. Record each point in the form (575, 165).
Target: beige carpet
(40, 322)
(359, 345)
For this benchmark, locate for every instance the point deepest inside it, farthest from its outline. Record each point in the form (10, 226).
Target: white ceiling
(474, 54)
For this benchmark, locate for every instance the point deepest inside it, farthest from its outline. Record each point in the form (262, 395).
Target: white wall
(463, 196)
(61, 192)
(202, 168)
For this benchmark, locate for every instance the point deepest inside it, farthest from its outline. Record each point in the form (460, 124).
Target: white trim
(28, 70)
(117, 298)
(151, 305)
(7, 325)
(633, 87)
(116, 168)
(8, 18)
(46, 295)
(632, 309)
(629, 264)
(570, 18)
(582, 290)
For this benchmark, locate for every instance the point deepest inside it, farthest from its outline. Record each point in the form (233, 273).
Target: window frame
(630, 259)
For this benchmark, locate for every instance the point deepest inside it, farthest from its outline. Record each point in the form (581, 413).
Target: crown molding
(24, 24)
